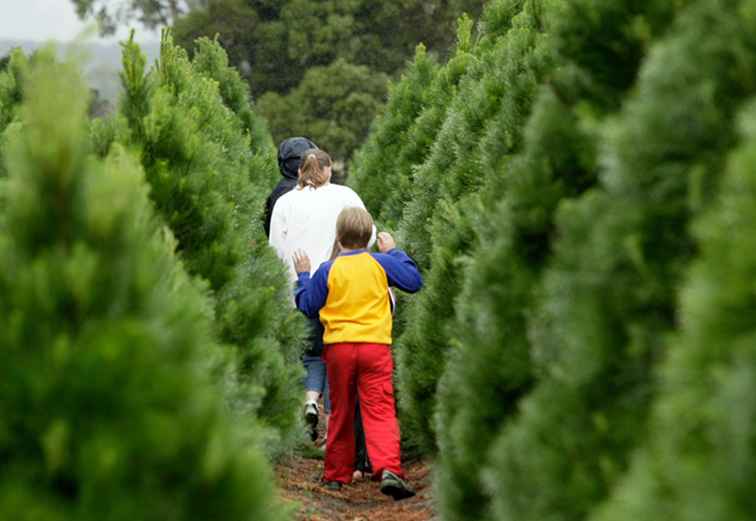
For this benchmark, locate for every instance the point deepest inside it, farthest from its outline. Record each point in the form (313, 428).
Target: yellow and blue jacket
(350, 294)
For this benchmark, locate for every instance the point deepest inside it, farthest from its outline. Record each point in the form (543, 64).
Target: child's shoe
(331, 485)
(311, 415)
(394, 486)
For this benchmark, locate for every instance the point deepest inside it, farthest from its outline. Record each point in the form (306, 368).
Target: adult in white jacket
(305, 219)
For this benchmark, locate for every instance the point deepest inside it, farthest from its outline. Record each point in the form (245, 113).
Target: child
(350, 295)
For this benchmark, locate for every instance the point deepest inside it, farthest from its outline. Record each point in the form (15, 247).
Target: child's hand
(301, 262)
(386, 242)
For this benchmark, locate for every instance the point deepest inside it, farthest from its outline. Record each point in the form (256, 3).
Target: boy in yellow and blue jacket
(350, 296)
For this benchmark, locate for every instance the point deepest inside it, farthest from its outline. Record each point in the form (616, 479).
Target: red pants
(365, 370)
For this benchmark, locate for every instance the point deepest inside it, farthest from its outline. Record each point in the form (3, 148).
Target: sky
(43, 20)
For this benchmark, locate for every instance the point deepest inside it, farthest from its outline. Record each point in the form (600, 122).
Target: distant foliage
(277, 43)
(321, 68)
(10, 98)
(334, 104)
(12, 70)
(111, 14)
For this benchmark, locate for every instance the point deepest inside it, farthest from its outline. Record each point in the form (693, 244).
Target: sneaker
(332, 485)
(394, 486)
(312, 414)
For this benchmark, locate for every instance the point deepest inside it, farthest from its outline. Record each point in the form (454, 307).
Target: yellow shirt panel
(357, 308)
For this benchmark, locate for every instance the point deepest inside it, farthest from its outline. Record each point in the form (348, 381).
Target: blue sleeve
(311, 293)
(401, 270)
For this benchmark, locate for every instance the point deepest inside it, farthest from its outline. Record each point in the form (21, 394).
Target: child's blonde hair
(313, 170)
(354, 228)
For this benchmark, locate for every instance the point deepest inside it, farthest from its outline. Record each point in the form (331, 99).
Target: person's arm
(311, 292)
(268, 215)
(278, 231)
(401, 270)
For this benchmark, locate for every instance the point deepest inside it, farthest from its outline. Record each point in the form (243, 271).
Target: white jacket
(305, 219)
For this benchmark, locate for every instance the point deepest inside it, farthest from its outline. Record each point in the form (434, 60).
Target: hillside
(102, 61)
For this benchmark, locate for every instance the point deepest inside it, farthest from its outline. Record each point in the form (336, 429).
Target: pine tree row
(192, 125)
(551, 209)
(111, 408)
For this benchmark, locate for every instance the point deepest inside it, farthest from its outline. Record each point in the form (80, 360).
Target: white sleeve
(355, 200)
(278, 230)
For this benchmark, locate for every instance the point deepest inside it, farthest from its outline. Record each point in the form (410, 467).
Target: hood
(290, 153)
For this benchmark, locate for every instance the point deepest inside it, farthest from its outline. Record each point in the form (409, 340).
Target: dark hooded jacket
(290, 153)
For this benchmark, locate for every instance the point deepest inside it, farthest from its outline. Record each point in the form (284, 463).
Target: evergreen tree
(276, 43)
(108, 412)
(483, 127)
(10, 98)
(514, 232)
(422, 134)
(335, 102)
(450, 169)
(304, 58)
(197, 157)
(419, 135)
(10, 87)
(211, 61)
(375, 172)
(700, 455)
(609, 292)
(397, 181)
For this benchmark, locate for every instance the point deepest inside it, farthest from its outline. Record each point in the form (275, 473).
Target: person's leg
(315, 373)
(315, 377)
(339, 459)
(326, 403)
(376, 395)
(362, 466)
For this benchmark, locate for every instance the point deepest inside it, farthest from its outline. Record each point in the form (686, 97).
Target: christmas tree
(376, 173)
(108, 409)
(483, 128)
(198, 159)
(608, 297)
(700, 454)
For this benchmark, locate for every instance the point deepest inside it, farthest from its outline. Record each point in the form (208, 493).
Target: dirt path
(299, 478)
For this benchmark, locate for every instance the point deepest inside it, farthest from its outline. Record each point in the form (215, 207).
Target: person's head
(354, 228)
(316, 168)
(290, 153)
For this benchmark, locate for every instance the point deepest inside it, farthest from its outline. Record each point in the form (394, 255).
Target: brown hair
(354, 228)
(312, 172)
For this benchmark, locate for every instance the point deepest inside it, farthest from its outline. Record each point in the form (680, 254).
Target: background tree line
(319, 68)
